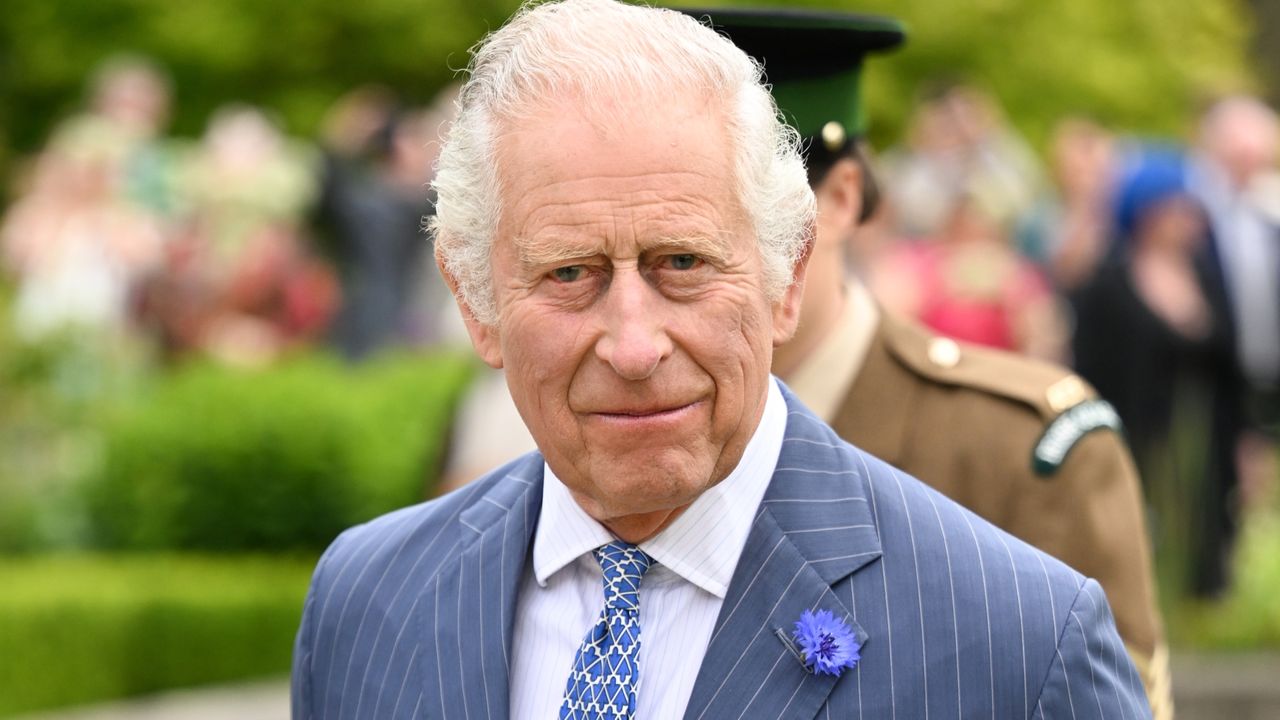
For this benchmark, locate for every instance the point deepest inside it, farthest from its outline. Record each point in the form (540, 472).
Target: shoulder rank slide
(1067, 429)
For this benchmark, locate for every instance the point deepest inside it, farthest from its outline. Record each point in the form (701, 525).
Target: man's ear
(786, 311)
(840, 197)
(484, 337)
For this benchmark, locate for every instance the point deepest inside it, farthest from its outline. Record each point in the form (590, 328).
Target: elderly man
(626, 226)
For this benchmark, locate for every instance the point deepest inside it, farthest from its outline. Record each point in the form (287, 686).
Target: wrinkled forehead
(614, 147)
(570, 173)
(648, 120)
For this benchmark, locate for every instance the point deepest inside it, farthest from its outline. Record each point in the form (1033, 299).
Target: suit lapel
(813, 529)
(467, 622)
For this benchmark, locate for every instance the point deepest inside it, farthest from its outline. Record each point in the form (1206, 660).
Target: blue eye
(683, 262)
(567, 274)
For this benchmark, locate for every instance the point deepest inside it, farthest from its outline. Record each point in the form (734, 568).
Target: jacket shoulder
(1054, 407)
(952, 560)
(426, 533)
(1044, 387)
(949, 578)
(368, 587)
(916, 516)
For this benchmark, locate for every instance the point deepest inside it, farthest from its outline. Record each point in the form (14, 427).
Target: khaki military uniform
(976, 424)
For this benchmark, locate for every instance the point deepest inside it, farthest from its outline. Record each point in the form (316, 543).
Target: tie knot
(623, 565)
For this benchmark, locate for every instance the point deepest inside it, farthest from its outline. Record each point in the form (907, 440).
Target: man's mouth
(647, 412)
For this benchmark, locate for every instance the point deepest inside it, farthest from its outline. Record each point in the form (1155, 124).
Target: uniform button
(833, 136)
(944, 352)
(1066, 393)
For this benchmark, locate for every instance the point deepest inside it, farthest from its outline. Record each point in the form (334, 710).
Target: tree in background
(1266, 45)
(292, 58)
(1143, 64)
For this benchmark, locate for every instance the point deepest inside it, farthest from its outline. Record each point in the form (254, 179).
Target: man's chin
(633, 526)
(617, 490)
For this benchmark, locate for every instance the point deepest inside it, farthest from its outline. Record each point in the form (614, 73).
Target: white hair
(610, 51)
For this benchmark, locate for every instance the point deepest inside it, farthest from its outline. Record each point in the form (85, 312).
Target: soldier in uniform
(1025, 444)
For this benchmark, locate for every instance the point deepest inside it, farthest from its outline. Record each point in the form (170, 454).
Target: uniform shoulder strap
(1047, 388)
(1067, 405)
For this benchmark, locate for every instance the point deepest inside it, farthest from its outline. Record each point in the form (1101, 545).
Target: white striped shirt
(562, 594)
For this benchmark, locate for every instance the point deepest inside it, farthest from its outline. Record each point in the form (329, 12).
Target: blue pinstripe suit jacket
(410, 616)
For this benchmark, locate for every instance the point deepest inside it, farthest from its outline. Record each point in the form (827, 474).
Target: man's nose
(634, 340)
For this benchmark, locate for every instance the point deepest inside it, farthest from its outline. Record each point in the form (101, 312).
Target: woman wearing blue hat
(1154, 336)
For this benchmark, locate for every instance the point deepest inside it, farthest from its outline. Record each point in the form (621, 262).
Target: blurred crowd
(1153, 269)
(239, 245)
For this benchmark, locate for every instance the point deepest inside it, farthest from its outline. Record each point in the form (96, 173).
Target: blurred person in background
(244, 176)
(377, 163)
(970, 422)
(958, 144)
(89, 224)
(128, 110)
(1068, 231)
(75, 246)
(953, 195)
(968, 283)
(1234, 175)
(1154, 335)
(241, 281)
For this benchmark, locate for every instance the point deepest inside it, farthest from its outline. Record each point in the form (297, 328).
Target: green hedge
(51, 394)
(79, 629)
(277, 459)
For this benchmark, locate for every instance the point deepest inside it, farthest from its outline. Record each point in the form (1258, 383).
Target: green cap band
(810, 103)
(812, 59)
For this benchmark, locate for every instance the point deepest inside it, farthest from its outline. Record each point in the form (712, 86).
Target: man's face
(633, 322)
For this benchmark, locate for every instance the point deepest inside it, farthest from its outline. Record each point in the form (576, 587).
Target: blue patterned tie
(602, 685)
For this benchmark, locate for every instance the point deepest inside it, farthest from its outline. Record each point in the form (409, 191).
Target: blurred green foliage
(282, 458)
(293, 57)
(1248, 618)
(1144, 66)
(98, 448)
(1140, 65)
(52, 394)
(76, 629)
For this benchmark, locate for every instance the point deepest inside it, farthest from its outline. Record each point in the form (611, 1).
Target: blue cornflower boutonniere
(827, 645)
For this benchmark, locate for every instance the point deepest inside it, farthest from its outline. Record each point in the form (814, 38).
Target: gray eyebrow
(553, 251)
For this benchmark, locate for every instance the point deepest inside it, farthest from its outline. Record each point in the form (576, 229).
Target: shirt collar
(703, 544)
(824, 378)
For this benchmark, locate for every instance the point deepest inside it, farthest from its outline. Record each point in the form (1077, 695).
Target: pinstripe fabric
(411, 615)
